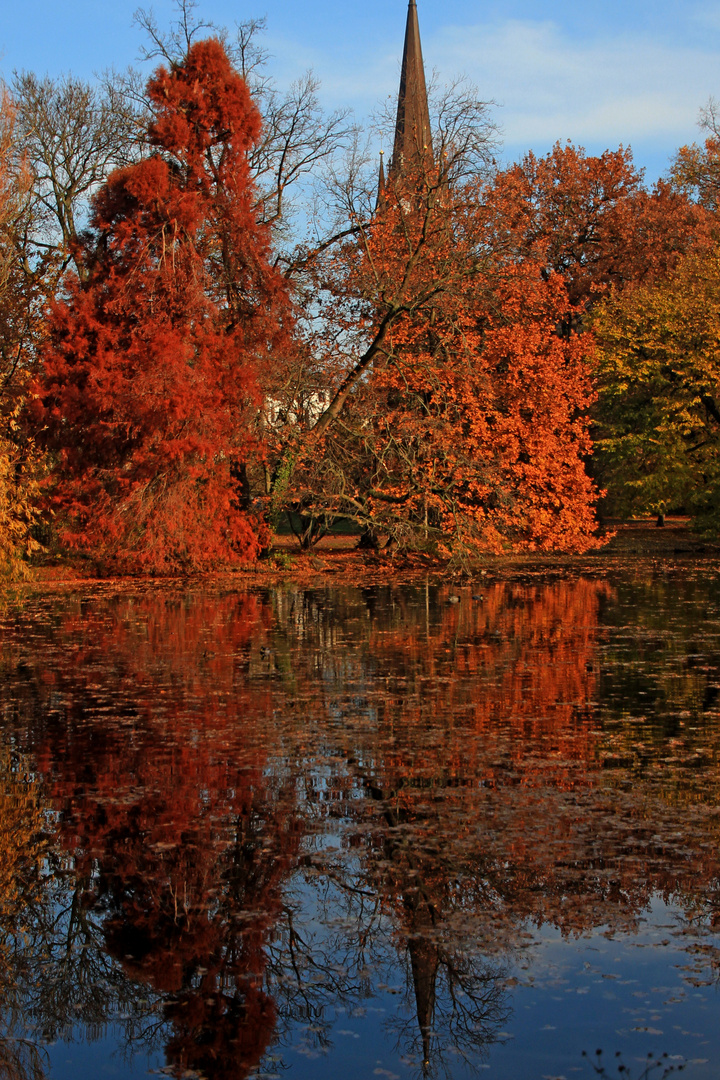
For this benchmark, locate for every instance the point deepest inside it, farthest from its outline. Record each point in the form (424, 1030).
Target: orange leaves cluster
(696, 172)
(501, 442)
(468, 430)
(591, 220)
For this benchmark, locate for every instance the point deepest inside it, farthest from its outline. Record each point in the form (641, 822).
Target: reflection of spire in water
(421, 920)
(424, 963)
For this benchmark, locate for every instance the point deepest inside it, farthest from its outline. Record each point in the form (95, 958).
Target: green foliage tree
(658, 432)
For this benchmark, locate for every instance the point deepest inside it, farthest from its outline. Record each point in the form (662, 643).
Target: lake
(397, 831)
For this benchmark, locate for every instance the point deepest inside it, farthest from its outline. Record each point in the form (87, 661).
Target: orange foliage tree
(591, 219)
(150, 383)
(459, 418)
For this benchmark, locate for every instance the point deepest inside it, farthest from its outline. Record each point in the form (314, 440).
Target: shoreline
(337, 560)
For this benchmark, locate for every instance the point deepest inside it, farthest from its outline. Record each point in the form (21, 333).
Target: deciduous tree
(73, 135)
(659, 424)
(695, 170)
(21, 321)
(459, 418)
(592, 220)
(298, 138)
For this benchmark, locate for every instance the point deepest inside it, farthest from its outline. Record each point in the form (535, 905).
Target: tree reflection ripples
(234, 823)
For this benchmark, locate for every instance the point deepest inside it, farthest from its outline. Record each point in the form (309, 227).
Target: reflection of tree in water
(164, 935)
(196, 750)
(504, 799)
(330, 964)
(54, 971)
(172, 840)
(659, 694)
(460, 1002)
(191, 918)
(501, 676)
(22, 849)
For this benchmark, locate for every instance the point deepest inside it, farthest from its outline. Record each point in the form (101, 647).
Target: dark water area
(363, 832)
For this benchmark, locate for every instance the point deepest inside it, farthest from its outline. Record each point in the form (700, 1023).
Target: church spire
(413, 140)
(380, 203)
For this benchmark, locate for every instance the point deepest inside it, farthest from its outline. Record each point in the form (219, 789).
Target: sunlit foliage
(150, 380)
(659, 431)
(467, 429)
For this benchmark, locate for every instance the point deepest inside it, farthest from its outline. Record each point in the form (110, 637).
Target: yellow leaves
(659, 373)
(21, 832)
(18, 490)
(696, 172)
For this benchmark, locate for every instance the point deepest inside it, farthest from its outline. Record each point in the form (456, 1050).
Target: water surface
(362, 832)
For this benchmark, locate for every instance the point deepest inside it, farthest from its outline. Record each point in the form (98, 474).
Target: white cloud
(630, 88)
(621, 90)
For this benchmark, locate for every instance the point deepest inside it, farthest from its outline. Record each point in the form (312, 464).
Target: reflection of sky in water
(379, 806)
(612, 991)
(620, 992)
(102, 1058)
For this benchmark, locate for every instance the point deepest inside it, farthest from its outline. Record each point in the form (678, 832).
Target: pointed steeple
(413, 140)
(380, 202)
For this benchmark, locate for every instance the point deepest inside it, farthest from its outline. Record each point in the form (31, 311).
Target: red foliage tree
(150, 383)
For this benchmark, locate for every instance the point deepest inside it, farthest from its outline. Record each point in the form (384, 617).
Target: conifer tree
(149, 387)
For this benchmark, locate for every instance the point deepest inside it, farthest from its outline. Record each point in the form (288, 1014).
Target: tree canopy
(659, 367)
(151, 374)
(458, 425)
(439, 358)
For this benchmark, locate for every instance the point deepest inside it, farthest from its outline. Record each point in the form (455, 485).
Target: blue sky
(599, 74)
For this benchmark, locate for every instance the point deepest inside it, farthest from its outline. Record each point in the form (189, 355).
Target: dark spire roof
(381, 184)
(413, 141)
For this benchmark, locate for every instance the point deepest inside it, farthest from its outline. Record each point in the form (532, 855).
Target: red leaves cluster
(150, 383)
